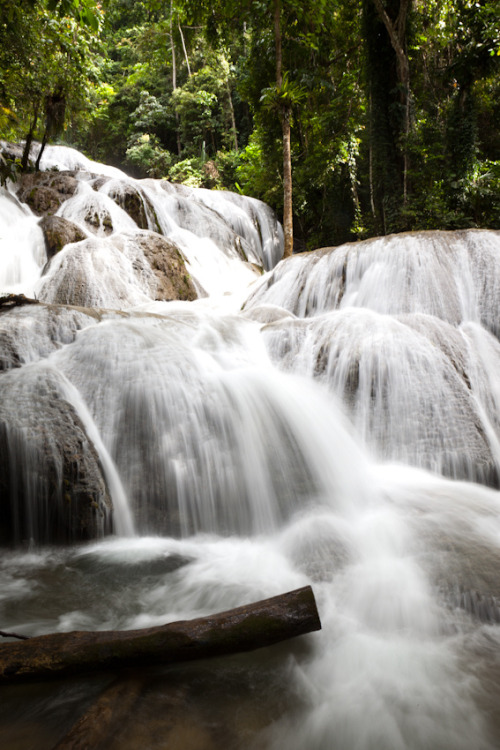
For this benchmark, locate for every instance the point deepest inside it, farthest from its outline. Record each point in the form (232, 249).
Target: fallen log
(8, 301)
(3, 634)
(246, 628)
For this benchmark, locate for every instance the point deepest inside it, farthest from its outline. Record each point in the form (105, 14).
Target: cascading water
(22, 248)
(403, 329)
(250, 452)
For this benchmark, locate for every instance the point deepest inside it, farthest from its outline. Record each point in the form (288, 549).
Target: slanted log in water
(242, 629)
(100, 723)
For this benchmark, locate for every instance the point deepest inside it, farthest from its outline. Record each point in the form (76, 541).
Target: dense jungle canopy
(390, 107)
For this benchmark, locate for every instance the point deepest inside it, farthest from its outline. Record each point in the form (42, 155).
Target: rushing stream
(335, 421)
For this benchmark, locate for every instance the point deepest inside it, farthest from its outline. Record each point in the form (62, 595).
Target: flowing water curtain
(385, 325)
(175, 398)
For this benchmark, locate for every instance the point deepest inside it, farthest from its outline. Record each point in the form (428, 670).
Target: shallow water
(399, 662)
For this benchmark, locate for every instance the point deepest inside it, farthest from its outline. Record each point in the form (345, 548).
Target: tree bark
(29, 140)
(172, 48)
(285, 124)
(7, 302)
(233, 120)
(185, 50)
(287, 187)
(243, 629)
(174, 76)
(42, 149)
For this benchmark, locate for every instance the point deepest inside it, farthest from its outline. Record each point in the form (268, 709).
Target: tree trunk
(397, 33)
(242, 629)
(370, 160)
(29, 140)
(172, 48)
(174, 76)
(233, 120)
(185, 51)
(285, 124)
(42, 149)
(287, 187)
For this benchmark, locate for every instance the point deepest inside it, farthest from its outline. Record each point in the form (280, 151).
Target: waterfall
(22, 247)
(387, 326)
(209, 426)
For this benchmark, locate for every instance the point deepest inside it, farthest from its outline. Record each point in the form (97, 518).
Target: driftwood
(3, 634)
(242, 629)
(8, 301)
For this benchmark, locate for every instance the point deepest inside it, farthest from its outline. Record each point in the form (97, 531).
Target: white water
(241, 442)
(22, 248)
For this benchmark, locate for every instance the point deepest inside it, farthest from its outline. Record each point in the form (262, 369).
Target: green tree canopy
(382, 113)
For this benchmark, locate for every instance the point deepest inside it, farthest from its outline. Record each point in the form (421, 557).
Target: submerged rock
(407, 383)
(52, 487)
(96, 273)
(453, 276)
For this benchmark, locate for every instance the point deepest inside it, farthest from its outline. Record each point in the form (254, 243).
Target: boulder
(11, 150)
(44, 192)
(169, 267)
(129, 269)
(99, 221)
(52, 486)
(134, 202)
(59, 232)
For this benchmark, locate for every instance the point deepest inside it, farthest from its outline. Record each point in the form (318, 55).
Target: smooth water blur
(398, 664)
(417, 389)
(22, 248)
(251, 453)
(205, 433)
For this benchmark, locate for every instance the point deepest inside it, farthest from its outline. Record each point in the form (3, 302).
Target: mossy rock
(44, 192)
(59, 232)
(167, 263)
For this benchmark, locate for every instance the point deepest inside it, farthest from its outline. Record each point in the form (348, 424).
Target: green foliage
(227, 164)
(145, 153)
(196, 104)
(188, 172)
(258, 176)
(46, 80)
(9, 169)
(103, 79)
(290, 94)
(86, 12)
